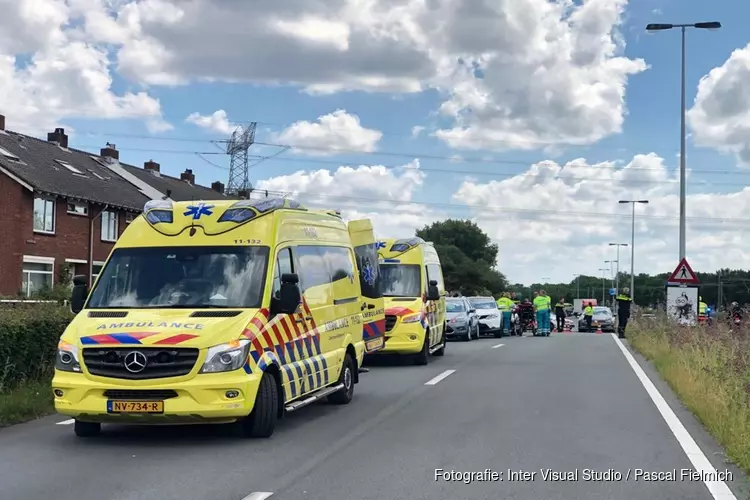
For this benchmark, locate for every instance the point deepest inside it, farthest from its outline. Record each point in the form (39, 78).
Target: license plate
(374, 344)
(135, 406)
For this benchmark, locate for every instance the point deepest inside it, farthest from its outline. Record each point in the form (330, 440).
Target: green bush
(29, 334)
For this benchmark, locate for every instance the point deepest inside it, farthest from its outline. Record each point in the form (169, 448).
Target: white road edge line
(66, 422)
(258, 495)
(718, 489)
(498, 345)
(435, 380)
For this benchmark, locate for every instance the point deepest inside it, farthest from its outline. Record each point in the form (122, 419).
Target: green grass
(26, 402)
(709, 370)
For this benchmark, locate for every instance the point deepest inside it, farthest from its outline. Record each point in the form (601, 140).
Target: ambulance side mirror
(289, 295)
(79, 294)
(432, 291)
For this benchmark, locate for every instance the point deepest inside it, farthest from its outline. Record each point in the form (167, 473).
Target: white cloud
(553, 220)
(337, 131)
(720, 116)
(514, 73)
(376, 192)
(50, 70)
(416, 130)
(215, 122)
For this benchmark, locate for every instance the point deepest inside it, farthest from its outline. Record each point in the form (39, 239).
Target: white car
(490, 319)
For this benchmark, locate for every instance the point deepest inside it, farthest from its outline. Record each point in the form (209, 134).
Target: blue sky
(537, 217)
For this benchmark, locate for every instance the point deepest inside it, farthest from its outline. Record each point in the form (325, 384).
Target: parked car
(490, 319)
(462, 319)
(603, 318)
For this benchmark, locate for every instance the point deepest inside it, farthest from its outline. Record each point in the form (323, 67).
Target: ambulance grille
(160, 362)
(390, 322)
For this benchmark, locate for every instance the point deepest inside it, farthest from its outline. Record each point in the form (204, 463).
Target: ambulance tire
(441, 351)
(346, 394)
(86, 429)
(423, 357)
(262, 421)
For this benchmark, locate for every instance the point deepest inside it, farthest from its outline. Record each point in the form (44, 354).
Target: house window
(96, 271)
(109, 226)
(75, 208)
(44, 215)
(37, 275)
(129, 217)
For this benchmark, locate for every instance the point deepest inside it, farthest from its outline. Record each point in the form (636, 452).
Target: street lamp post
(578, 285)
(661, 27)
(617, 275)
(611, 274)
(632, 245)
(603, 270)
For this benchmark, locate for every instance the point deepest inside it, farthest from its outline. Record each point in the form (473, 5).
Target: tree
(467, 256)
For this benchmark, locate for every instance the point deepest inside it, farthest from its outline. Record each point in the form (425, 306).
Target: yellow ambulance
(217, 311)
(412, 284)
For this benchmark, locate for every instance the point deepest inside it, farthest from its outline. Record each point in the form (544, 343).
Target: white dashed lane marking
(442, 376)
(66, 422)
(498, 345)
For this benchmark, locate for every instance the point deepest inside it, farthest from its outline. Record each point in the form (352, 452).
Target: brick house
(63, 209)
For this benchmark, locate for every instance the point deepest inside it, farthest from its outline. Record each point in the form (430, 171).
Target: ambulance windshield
(401, 280)
(182, 277)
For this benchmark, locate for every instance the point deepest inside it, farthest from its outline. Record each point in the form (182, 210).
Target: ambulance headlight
(226, 357)
(67, 359)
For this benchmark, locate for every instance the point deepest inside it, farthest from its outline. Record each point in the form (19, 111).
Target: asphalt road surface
(568, 403)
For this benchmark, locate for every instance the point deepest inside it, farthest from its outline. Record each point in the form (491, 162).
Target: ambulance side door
(372, 305)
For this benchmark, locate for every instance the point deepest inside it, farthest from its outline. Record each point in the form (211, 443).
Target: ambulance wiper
(194, 306)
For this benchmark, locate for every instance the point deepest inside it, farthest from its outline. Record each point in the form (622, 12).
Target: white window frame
(35, 259)
(130, 217)
(95, 276)
(77, 204)
(112, 215)
(53, 201)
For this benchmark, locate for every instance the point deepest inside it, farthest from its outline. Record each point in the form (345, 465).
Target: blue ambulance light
(158, 211)
(391, 261)
(245, 210)
(157, 216)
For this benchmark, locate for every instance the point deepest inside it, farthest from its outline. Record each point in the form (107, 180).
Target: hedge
(29, 334)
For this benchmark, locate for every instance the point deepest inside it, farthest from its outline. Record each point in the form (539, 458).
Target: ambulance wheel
(262, 421)
(423, 357)
(441, 351)
(86, 429)
(346, 393)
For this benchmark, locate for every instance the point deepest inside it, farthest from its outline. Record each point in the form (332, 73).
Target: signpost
(682, 294)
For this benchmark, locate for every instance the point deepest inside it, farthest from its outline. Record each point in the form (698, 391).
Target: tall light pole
(617, 275)
(578, 285)
(611, 274)
(713, 25)
(632, 246)
(603, 270)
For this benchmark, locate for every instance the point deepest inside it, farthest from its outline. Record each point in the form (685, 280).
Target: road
(568, 402)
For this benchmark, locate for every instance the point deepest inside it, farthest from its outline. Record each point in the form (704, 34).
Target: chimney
(188, 176)
(110, 151)
(218, 187)
(59, 136)
(2, 122)
(152, 166)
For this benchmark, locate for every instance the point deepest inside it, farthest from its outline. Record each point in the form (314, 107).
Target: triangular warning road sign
(684, 274)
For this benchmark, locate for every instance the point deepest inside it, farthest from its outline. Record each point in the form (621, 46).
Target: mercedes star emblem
(135, 362)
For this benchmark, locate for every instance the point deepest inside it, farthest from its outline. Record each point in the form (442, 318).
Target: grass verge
(28, 401)
(709, 370)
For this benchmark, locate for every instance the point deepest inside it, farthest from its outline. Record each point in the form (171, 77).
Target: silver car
(462, 320)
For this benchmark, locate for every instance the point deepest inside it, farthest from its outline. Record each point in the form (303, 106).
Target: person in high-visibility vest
(560, 314)
(588, 315)
(541, 305)
(506, 308)
(702, 306)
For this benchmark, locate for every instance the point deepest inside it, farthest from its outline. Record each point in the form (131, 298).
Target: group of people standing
(542, 307)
